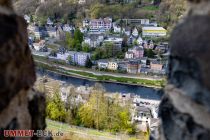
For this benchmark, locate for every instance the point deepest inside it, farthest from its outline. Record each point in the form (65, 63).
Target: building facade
(153, 32)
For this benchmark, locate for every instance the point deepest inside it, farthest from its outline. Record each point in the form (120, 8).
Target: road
(100, 73)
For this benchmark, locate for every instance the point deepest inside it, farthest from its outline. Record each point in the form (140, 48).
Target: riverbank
(62, 69)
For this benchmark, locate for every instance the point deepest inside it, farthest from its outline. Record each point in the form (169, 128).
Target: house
(94, 40)
(102, 64)
(85, 23)
(38, 32)
(131, 40)
(50, 31)
(100, 25)
(139, 40)
(153, 31)
(129, 55)
(68, 28)
(39, 46)
(83, 29)
(74, 97)
(141, 114)
(112, 65)
(134, 67)
(128, 31)
(117, 28)
(77, 58)
(122, 66)
(116, 41)
(27, 18)
(162, 48)
(49, 22)
(135, 32)
(145, 22)
(138, 52)
(156, 65)
(81, 58)
(148, 44)
(31, 28)
(143, 61)
(82, 1)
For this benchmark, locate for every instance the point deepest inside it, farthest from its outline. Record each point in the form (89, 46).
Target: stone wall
(185, 107)
(20, 106)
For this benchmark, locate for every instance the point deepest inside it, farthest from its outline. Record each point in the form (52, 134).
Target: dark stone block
(179, 126)
(37, 111)
(13, 125)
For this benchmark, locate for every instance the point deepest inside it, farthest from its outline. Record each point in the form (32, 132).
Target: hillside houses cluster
(72, 57)
(97, 34)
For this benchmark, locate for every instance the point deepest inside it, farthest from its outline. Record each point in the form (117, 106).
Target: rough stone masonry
(185, 108)
(20, 106)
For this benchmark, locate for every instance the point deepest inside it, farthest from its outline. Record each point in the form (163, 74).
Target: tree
(78, 36)
(85, 47)
(70, 41)
(70, 61)
(56, 109)
(88, 63)
(72, 107)
(53, 53)
(103, 112)
(149, 53)
(92, 113)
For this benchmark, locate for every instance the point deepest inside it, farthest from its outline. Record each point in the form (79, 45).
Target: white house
(115, 40)
(27, 18)
(112, 65)
(135, 32)
(51, 32)
(49, 22)
(153, 32)
(102, 64)
(141, 114)
(139, 40)
(68, 28)
(129, 55)
(85, 23)
(82, 1)
(94, 40)
(117, 28)
(39, 46)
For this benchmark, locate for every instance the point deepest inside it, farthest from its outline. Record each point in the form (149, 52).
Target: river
(144, 92)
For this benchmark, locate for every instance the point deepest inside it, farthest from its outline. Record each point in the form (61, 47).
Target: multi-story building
(156, 66)
(134, 67)
(112, 65)
(153, 31)
(94, 40)
(101, 25)
(81, 58)
(116, 41)
(41, 32)
(102, 64)
(135, 53)
(142, 114)
(77, 58)
(50, 31)
(129, 55)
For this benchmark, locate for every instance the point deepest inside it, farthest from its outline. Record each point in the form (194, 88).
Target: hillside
(167, 12)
